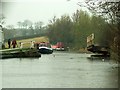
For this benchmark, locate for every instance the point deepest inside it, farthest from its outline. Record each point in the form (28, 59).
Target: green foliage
(74, 31)
(60, 30)
(110, 10)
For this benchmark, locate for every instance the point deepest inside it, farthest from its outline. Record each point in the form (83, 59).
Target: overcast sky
(37, 10)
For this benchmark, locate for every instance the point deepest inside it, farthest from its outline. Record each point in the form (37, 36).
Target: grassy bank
(27, 42)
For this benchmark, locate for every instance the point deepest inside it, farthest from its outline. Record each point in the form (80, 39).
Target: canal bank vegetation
(110, 11)
(104, 23)
(73, 30)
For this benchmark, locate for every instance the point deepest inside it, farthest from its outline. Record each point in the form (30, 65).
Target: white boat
(45, 48)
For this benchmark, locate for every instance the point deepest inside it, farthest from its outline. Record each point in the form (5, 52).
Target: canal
(58, 70)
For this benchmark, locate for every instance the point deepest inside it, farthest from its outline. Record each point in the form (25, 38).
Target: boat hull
(45, 51)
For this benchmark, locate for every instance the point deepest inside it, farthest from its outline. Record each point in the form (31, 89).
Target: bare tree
(19, 24)
(27, 24)
(38, 25)
(110, 10)
(10, 26)
(53, 20)
(2, 19)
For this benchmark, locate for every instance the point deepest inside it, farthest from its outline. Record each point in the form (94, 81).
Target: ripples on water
(58, 70)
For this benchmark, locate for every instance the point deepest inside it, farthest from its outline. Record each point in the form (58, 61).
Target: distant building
(1, 37)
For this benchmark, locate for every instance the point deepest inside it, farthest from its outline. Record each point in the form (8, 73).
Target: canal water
(58, 70)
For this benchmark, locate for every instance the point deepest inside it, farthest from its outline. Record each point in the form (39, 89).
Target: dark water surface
(58, 70)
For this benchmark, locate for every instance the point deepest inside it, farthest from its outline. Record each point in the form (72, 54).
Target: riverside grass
(27, 42)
